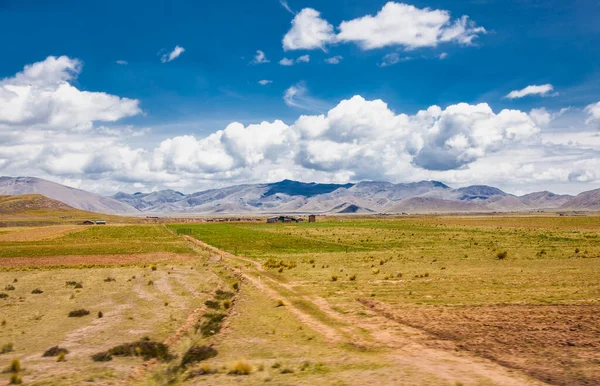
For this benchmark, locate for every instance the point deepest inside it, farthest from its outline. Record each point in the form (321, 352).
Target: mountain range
(301, 198)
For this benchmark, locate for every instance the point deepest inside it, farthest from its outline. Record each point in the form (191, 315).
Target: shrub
(197, 354)
(55, 351)
(576, 250)
(286, 371)
(78, 313)
(226, 304)
(100, 314)
(61, 357)
(375, 271)
(240, 368)
(154, 267)
(352, 277)
(70, 283)
(276, 365)
(9, 287)
(15, 379)
(144, 348)
(3, 295)
(15, 366)
(6, 348)
(204, 369)
(279, 303)
(109, 279)
(212, 304)
(78, 285)
(37, 291)
(212, 324)
(236, 286)
(501, 255)
(150, 282)
(102, 357)
(334, 278)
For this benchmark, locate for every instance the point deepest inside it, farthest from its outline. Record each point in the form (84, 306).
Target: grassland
(420, 300)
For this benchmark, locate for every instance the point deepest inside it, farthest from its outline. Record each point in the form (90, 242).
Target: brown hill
(589, 200)
(28, 203)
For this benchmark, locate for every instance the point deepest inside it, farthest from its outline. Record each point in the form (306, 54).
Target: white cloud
(542, 90)
(393, 58)
(264, 82)
(168, 57)
(41, 134)
(122, 62)
(396, 24)
(334, 59)
(286, 62)
(443, 55)
(260, 58)
(303, 59)
(285, 5)
(593, 112)
(41, 96)
(309, 31)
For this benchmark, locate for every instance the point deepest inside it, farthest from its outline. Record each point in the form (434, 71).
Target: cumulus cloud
(396, 24)
(286, 62)
(260, 58)
(303, 59)
(170, 56)
(334, 59)
(309, 31)
(42, 96)
(542, 90)
(593, 112)
(122, 62)
(264, 82)
(291, 62)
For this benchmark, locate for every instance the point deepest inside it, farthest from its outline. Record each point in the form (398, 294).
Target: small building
(101, 222)
(283, 219)
(88, 222)
(312, 218)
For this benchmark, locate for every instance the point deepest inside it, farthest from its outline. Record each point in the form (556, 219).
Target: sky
(135, 95)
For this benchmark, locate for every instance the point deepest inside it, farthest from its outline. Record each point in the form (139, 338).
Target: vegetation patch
(55, 351)
(78, 313)
(212, 323)
(144, 348)
(197, 354)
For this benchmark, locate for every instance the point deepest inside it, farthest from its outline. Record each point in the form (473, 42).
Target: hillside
(76, 198)
(32, 204)
(584, 201)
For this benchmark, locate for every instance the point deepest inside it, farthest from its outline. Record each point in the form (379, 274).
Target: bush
(100, 314)
(212, 304)
(150, 282)
(78, 285)
(37, 291)
(280, 303)
(212, 324)
(144, 348)
(223, 295)
(334, 278)
(352, 277)
(375, 271)
(154, 267)
(102, 357)
(236, 286)
(70, 283)
(286, 371)
(501, 255)
(109, 279)
(3, 295)
(9, 287)
(240, 368)
(6, 348)
(78, 313)
(197, 354)
(61, 357)
(226, 304)
(55, 351)
(15, 379)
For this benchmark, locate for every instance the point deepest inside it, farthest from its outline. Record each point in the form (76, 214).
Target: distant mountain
(584, 201)
(28, 203)
(76, 198)
(302, 198)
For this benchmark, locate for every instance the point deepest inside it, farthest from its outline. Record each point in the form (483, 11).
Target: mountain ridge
(296, 197)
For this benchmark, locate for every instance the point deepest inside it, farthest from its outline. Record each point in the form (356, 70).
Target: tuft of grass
(223, 295)
(102, 357)
(227, 304)
(150, 282)
(154, 267)
(236, 286)
(37, 291)
(55, 351)
(61, 357)
(375, 271)
(3, 295)
(100, 314)
(15, 379)
(352, 277)
(240, 368)
(279, 303)
(6, 348)
(502, 255)
(15, 366)
(109, 279)
(334, 277)
(215, 305)
(9, 287)
(276, 365)
(212, 324)
(197, 354)
(78, 313)
(286, 370)
(204, 369)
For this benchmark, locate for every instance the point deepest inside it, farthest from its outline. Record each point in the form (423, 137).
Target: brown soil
(558, 344)
(85, 260)
(42, 233)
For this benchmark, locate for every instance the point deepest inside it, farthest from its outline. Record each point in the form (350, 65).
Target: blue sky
(213, 82)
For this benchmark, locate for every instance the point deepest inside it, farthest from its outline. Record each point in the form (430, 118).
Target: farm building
(88, 222)
(284, 219)
(312, 218)
(100, 222)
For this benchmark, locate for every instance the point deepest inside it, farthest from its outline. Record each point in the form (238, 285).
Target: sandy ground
(41, 233)
(78, 260)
